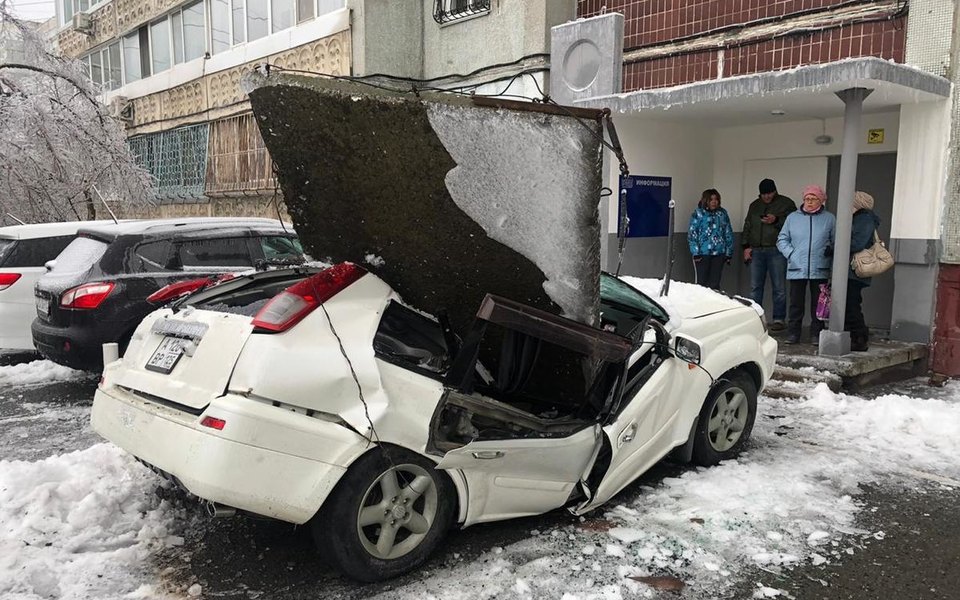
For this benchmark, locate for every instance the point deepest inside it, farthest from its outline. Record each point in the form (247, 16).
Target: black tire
(352, 548)
(731, 426)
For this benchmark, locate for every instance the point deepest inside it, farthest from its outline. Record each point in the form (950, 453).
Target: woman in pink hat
(806, 241)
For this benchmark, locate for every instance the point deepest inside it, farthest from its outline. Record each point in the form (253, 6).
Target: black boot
(815, 328)
(858, 342)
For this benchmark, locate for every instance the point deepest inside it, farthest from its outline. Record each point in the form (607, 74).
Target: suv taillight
(287, 308)
(89, 295)
(177, 289)
(182, 288)
(8, 279)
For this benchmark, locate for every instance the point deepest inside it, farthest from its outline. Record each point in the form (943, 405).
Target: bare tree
(60, 149)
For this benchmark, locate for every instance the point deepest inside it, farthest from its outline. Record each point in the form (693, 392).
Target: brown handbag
(873, 260)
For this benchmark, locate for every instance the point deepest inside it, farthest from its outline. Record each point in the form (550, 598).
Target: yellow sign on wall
(875, 136)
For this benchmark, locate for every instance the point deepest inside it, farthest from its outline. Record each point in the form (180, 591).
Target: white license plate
(166, 356)
(43, 306)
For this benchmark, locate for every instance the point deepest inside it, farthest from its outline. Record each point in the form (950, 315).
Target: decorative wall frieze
(134, 13)
(218, 94)
(113, 20)
(74, 44)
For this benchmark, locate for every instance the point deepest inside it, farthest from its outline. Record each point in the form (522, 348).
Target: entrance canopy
(729, 133)
(806, 92)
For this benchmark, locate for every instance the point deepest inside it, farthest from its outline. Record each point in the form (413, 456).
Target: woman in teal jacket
(711, 239)
(806, 240)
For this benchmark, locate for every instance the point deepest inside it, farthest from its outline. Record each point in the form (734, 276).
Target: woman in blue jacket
(711, 239)
(806, 240)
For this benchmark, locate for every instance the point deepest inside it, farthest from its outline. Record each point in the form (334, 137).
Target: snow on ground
(39, 372)
(790, 500)
(45, 428)
(79, 525)
(84, 525)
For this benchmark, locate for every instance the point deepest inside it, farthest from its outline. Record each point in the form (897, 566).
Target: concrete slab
(884, 362)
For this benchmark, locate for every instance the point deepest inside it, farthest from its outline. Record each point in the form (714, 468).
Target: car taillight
(8, 279)
(177, 289)
(287, 308)
(89, 295)
(181, 288)
(214, 423)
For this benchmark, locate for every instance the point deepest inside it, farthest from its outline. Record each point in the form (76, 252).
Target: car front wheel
(726, 419)
(386, 516)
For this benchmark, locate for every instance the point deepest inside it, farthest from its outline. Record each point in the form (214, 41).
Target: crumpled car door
(522, 477)
(638, 433)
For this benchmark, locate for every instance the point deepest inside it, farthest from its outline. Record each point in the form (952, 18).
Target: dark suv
(106, 281)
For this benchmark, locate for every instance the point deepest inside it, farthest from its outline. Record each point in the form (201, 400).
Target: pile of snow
(791, 499)
(79, 525)
(887, 432)
(39, 372)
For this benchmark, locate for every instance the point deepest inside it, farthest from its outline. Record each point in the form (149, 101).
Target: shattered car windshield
(614, 293)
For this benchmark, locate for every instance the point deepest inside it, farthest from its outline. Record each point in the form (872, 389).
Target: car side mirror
(687, 350)
(49, 265)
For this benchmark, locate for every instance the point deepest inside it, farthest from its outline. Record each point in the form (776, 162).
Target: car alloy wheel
(386, 515)
(397, 511)
(728, 419)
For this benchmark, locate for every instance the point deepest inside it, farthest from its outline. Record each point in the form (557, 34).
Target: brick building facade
(674, 42)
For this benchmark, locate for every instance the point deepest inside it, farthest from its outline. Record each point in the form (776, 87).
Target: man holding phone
(764, 220)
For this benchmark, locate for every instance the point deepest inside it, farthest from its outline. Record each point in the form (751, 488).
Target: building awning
(804, 91)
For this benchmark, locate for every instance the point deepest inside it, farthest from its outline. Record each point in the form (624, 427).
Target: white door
(517, 478)
(639, 435)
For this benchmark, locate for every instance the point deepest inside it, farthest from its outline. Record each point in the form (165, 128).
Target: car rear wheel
(386, 516)
(726, 419)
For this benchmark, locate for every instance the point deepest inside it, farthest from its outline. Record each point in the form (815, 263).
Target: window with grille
(176, 159)
(239, 161)
(447, 11)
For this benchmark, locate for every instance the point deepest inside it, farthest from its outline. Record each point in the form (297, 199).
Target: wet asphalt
(917, 557)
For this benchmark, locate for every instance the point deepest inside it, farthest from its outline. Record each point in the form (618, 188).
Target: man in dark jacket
(764, 220)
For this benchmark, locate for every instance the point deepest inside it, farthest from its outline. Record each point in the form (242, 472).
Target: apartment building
(172, 70)
(723, 93)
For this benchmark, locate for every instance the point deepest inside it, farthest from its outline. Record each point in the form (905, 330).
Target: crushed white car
(319, 397)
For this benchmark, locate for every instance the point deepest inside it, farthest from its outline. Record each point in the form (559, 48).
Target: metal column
(835, 341)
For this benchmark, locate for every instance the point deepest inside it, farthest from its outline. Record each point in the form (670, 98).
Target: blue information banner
(648, 204)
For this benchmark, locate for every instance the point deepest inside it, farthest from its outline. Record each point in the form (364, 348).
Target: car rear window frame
(58, 267)
(19, 257)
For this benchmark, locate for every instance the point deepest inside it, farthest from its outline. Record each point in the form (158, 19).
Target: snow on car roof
(42, 230)
(183, 226)
(683, 300)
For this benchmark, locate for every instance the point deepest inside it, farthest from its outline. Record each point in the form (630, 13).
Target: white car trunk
(213, 342)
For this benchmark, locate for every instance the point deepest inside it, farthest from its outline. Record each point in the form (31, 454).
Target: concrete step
(809, 376)
(781, 392)
(886, 361)
(794, 384)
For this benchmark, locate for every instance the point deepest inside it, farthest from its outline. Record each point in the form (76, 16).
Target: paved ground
(915, 558)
